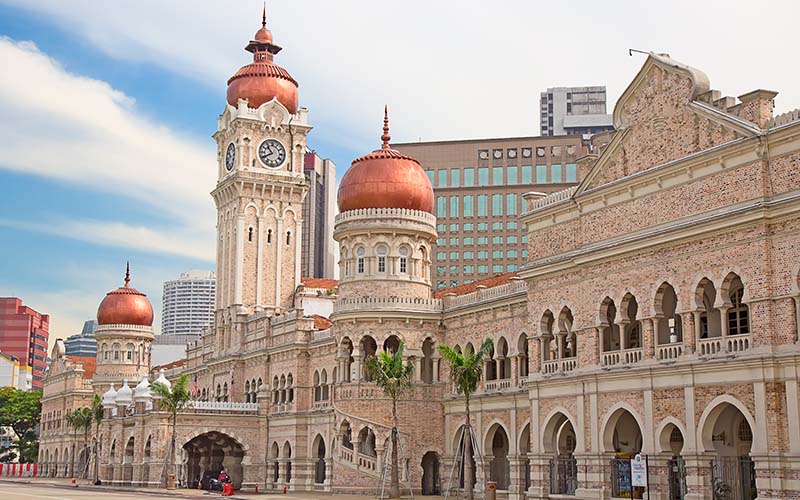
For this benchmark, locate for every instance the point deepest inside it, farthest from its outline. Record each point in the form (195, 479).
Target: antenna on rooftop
(631, 51)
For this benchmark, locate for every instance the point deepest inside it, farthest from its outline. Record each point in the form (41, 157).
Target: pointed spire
(386, 137)
(264, 16)
(127, 274)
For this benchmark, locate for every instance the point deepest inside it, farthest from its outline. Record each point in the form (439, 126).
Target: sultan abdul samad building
(657, 313)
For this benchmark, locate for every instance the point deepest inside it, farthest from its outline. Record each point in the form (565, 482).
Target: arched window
(360, 260)
(225, 392)
(275, 390)
(403, 260)
(269, 235)
(317, 389)
(290, 385)
(381, 252)
(738, 314)
(346, 260)
(105, 352)
(129, 352)
(219, 393)
(323, 380)
(247, 391)
(116, 352)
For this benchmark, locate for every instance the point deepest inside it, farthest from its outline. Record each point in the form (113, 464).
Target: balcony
(724, 345)
(626, 357)
(669, 352)
(559, 365)
(223, 407)
(497, 385)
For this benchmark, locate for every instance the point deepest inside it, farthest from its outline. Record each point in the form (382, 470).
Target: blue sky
(107, 110)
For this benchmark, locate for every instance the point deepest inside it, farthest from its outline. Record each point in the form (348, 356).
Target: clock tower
(261, 143)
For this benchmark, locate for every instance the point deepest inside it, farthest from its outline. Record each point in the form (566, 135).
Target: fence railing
(563, 476)
(671, 351)
(733, 478)
(221, 406)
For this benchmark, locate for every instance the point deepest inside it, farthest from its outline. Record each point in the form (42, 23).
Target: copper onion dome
(125, 306)
(385, 178)
(262, 80)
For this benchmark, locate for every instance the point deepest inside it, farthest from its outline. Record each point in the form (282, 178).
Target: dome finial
(264, 16)
(386, 137)
(127, 274)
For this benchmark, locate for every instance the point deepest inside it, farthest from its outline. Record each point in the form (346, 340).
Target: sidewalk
(186, 493)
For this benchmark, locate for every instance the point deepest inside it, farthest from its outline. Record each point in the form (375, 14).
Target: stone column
(723, 327)
(534, 353)
(601, 337)
(540, 476)
(623, 340)
(688, 332)
(514, 360)
(436, 360)
(697, 328)
(379, 450)
(560, 336)
(649, 332)
(357, 373)
(516, 483)
(417, 360)
(698, 476)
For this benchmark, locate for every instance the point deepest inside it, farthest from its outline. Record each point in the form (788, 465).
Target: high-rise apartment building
(83, 344)
(188, 303)
(23, 334)
(319, 253)
(574, 111)
(478, 187)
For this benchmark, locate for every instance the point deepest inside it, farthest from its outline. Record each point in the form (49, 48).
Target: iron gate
(563, 476)
(733, 478)
(677, 478)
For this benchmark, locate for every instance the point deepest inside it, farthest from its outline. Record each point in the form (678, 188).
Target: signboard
(638, 471)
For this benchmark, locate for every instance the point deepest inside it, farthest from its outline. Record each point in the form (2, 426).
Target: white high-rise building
(574, 111)
(188, 303)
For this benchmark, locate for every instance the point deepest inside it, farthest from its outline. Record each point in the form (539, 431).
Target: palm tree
(97, 418)
(465, 372)
(71, 418)
(172, 401)
(389, 373)
(83, 422)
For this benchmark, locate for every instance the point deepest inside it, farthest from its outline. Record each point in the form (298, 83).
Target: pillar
(688, 332)
(436, 360)
(697, 330)
(649, 329)
(357, 373)
(534, 353)
(723, 327)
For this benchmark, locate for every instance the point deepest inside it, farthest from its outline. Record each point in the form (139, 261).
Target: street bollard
(491, 490)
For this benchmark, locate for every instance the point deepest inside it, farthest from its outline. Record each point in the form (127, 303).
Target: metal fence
(677, 478)
(733, 478)
(563, 476)
(622, 479)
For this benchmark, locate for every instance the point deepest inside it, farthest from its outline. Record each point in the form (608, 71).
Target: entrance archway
(497, 441)
(319, 457)
(727, 433)
(559, 441)
(211, 452)
(430, 474)
(127, 462)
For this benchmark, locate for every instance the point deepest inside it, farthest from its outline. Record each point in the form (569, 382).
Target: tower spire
(386, 137)
(264, 16)
(127, 274)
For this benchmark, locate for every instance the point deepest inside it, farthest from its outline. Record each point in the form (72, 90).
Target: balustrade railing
(738, 343)
(321, 405)
(497, 385)
(346, 454)
(559, 365)
(709, 347)
(626, 357)
(549, 367)
(671, 351)
(221, 406)
(282, 407)
(367, 462)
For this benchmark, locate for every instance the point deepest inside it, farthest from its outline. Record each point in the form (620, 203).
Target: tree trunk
(72, 462)
(170, 452)
(394, 481)
(469, 473)
(97, 453)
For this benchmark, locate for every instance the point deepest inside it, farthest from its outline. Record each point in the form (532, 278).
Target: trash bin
(170, 481)
(227, 490)
(491, 490)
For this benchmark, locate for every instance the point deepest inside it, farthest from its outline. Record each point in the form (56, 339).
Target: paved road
(51, 492)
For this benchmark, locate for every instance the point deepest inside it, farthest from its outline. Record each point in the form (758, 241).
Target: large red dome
(125, 306)
(385, 178)
(263, 80)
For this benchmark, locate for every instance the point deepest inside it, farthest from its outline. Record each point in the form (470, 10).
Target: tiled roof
(169, 366)
(89, 364)
(326, 283)
(500, 279)
(321, 322)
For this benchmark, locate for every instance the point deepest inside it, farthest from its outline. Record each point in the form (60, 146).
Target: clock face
(498, 153)
(230, 157)
(484, 154)
(512, 153)
(271, 153)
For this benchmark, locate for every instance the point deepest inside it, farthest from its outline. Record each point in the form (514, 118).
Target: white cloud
(447, 70)
(175, 241)
(80, 130)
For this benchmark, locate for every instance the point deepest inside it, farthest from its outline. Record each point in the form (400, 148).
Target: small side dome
(385, 178)
(124, 394)
(142, 392)
(162, 379)
(110, 398)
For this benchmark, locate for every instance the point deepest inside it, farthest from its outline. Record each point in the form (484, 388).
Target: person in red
(223, 476)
